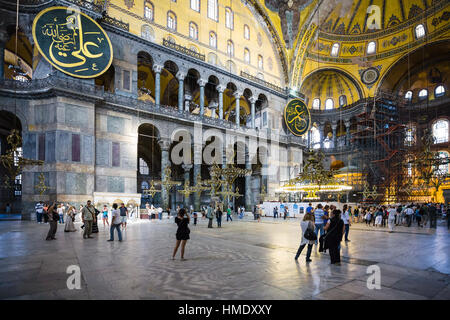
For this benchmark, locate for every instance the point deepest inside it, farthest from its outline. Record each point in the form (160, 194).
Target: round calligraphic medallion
(297, 117)
(72, 42)
(370, 76)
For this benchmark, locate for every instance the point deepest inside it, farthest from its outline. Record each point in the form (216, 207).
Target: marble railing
(86, 88)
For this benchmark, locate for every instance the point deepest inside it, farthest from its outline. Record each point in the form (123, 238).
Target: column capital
(158, 68)
(237, 94)
(334, 126)
(252, 99)
(202, 82)
(347, 123)
(213, 105)
(220, 88)
(164, 144)
(187, 167)
(181, 75)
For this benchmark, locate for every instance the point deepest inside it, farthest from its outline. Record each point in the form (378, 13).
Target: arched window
(246, 55)
(230, 48)
(193, 31)
(444, 167)
(440, 131)
(423, 94)
(410, 135)
(213, 10)
(171, 21)
(342, 101)
(212, 39)
(316, 103)
(420, 31)
(329, 104)
(335, 50)
(195, 5)
(229, 19)
(315, 138)
(260, 62)
(371, 47)
(147, 33)
(143, 166)
(148, 10)
(144, 185)
(408, 95)
(246, 32)
(439, 91)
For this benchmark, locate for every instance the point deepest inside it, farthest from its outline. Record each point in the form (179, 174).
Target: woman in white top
(60, 211)
(70, 218)
(307, 223)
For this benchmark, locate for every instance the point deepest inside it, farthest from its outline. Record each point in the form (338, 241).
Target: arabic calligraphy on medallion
(297, 117)
(72, 42)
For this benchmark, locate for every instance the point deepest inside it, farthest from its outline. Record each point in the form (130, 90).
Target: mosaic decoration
(393, 21)
(445, 16)
(370, 76)
(395, 40)
(72, 42)
(297, 117)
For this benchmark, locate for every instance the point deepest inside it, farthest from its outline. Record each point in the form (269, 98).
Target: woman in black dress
(335, 228)
(182, 220)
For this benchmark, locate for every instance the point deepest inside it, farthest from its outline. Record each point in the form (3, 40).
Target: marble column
(347, 135)
(187, 177)
(322, 134)
(213, 106)
(197, 170)
(157, 69)
(252, 109)
(334, 127)
(237, 95)
(248, 189)
(187, 102)
(220, 89)
(165, 146)
(180, 77)
(202, 83)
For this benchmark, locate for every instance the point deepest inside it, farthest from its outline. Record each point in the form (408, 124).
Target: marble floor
(242, 260)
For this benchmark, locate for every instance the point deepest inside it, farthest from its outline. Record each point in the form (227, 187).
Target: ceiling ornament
(370, 75)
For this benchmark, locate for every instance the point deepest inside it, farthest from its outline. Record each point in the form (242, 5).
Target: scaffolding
(379, 137)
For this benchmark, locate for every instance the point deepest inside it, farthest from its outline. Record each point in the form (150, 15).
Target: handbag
(310, 234)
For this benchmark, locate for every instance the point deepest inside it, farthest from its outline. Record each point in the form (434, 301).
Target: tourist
(219, 216)
(182, 235)
(391, 218)
(53, 217)
(160, 213)
(378, 217)
(260, 213)
(87, 216)
(123, 215)
(94, 223)
(229, 217)
(368, 217)
(432, 214)
(286, 212)
(309, 209)
(44, 213)
(306, 224)
(116, 221)
(356, 215)
(105, 216)
(319, 215)
(275, 212)
(70, 218)
(39, 207)
(346, 219)
(8, 208)
(61, 213)
(335, 229)
(254, 212)
(409, 213)
(194, 214)
(210, 215)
